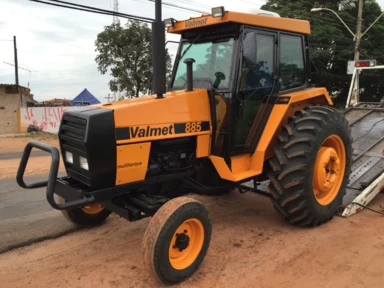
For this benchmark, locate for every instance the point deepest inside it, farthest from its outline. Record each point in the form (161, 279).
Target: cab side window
(292, 73)
(257, 68)
(256, 82)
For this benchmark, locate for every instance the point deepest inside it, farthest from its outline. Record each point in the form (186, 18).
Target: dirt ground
(17, 144)
(38, 165)
(251, 247)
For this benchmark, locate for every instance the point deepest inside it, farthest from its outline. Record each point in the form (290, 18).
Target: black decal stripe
(122, 133)
(205, 126)
(180, 128)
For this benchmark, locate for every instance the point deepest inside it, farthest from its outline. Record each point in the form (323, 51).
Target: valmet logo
(127, 133)
(137, 132)
(195, 23)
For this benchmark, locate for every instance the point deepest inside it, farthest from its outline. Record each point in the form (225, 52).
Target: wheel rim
(92, 208)
(329, 170)
(186, 244)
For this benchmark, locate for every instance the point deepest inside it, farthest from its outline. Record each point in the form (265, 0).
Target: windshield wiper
(186, 50)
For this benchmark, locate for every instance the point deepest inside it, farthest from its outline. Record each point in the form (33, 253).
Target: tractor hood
(149, 118)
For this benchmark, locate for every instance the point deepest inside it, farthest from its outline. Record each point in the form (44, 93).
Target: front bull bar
(52, 177)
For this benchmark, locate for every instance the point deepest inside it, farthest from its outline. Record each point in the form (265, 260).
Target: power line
(114, 13)
(181, 7)
(250, 2)
(94, 10)
(326, 20)
(19, 67)
(177, 9)
(196, 4)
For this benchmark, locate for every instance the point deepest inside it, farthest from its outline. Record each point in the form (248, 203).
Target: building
(54, 103)
(10, 103)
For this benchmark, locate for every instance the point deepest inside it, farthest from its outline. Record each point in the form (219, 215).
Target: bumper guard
(52, 177)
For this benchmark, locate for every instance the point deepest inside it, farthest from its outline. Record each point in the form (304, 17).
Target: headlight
(69, 157)
(84, 163)
(218, 12)
(169, 22)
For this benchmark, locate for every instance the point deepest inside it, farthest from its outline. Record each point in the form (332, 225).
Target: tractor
(241, 106)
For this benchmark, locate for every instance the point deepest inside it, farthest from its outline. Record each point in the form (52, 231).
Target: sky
(57, 44)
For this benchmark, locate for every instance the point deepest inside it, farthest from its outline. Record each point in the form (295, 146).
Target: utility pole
(358, 30)
(357, 47)
(17, 69)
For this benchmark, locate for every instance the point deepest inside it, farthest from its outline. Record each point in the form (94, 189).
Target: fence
(46, 118)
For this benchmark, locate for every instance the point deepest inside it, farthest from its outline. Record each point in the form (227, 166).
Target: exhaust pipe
(158, 52)
(189, 62)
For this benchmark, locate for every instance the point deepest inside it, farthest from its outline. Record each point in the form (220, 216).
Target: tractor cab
(245, 60)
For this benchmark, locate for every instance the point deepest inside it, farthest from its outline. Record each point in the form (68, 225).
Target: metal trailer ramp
(366, 120)
(367, 177)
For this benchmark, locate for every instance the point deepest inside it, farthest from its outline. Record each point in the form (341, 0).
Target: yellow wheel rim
(92, 208)
(186, 244)
(329, 170)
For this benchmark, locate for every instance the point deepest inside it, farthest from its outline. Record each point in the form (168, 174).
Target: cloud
(48, 36)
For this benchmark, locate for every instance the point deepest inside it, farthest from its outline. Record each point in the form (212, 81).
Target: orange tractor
(241, 106)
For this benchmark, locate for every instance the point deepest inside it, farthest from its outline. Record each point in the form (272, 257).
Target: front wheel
(90, 215)
(311, 166)
(177, 239)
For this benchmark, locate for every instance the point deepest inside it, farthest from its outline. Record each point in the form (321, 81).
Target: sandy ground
(17, 144)
(251, 247)
(36, 166)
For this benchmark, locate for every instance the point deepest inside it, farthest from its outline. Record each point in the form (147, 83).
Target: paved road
(17, 155)
(26, 217)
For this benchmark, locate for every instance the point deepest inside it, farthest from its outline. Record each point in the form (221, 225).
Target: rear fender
(251, 165)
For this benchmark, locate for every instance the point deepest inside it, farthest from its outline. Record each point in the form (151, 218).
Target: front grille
(72, 134)
(72, 138)
(90, 133)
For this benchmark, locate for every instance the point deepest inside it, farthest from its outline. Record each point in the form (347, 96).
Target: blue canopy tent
(85, 98)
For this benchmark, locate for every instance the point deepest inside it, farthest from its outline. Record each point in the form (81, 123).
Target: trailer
(366, 120)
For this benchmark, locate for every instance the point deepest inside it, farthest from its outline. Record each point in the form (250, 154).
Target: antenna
(116, 10)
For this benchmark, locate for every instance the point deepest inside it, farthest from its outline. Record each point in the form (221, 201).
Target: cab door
(257, 72)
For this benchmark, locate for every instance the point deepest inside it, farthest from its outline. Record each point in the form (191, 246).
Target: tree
(127, 53)
(332, 46)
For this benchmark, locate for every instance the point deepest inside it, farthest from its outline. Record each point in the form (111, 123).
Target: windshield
(211, 58)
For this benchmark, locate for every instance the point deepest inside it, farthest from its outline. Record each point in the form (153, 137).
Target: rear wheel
(177, 239)
(311, 166)
(90, 215)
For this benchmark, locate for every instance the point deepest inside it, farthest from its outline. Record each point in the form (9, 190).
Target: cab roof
(276, 23)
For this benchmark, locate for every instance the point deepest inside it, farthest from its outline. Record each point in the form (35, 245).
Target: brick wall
(9, 104)
(8, 112)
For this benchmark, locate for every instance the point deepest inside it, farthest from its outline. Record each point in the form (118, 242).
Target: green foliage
(127, 53)
(332, 46)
